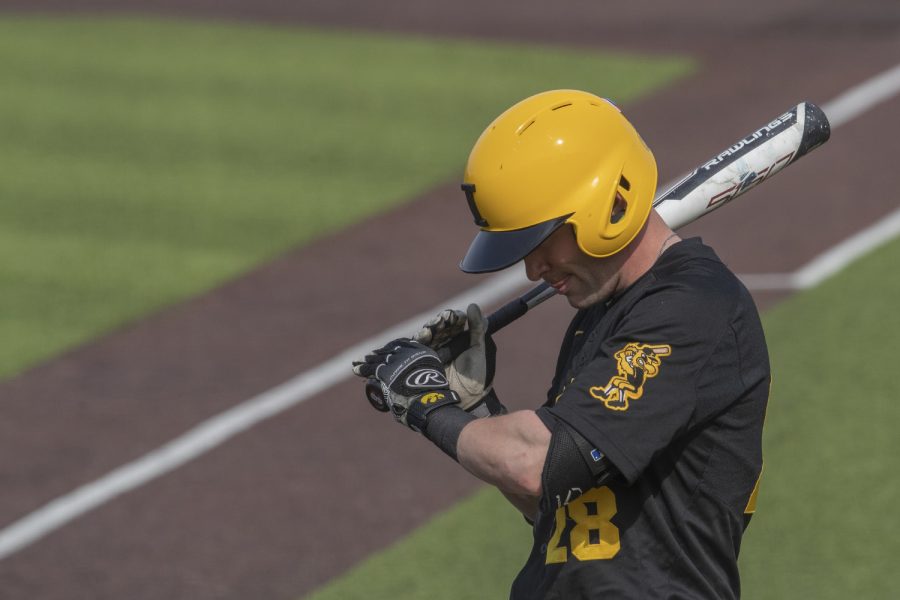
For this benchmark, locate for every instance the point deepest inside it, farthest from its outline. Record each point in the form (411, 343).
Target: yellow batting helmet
(557, 157)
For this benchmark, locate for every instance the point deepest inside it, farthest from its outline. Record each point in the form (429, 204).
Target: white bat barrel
(744, 165)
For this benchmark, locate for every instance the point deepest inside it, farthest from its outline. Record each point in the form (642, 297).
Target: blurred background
(211, 205)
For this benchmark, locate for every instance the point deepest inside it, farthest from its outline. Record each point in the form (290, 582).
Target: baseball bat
(732, 172)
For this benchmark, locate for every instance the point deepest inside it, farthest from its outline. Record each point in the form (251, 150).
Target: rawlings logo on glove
(412, 381)
(424, 378)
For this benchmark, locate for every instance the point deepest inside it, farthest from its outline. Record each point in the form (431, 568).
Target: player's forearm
(527, 505)
(506, 451)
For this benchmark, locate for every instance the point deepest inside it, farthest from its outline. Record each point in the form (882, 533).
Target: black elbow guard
(573, 466)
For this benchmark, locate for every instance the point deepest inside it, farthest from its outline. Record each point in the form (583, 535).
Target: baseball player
(639, 471)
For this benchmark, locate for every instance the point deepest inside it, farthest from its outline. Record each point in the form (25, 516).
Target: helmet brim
(496, 250)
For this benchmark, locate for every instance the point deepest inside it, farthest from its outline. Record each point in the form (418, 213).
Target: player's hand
(471, 373)
(441, 329)
(412, 380)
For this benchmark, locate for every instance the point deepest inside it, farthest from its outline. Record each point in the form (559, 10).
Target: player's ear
(620, 205)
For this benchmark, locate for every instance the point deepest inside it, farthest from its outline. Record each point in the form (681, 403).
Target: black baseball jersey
(670, 381)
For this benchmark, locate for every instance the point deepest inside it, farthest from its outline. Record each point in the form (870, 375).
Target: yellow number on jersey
(593, 536)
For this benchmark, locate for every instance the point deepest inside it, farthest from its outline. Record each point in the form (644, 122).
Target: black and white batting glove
(412, 380)
(471, 373)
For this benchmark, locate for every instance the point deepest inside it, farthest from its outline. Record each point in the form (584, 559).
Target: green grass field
(826, 525)
(145, 161)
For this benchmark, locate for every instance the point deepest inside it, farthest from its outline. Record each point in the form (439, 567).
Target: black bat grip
(500, 318)
(506, 314)
(497, 320)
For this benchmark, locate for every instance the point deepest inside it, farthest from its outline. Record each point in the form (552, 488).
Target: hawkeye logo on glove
(636, 363)
(426, 378)
(432, 397)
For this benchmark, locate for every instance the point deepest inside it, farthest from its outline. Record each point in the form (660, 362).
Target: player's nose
(535, 265)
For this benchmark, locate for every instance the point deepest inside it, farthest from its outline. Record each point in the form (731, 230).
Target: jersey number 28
(592, 536)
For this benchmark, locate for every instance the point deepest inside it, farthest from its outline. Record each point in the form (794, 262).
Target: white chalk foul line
(838, 257)
(863, 97)
(840, 110)
(829, 263)
(222, 427)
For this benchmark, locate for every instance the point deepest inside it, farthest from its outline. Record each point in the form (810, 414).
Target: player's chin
(581, 300)
(575, 301)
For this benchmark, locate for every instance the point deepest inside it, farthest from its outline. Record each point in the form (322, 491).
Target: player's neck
(646, 248)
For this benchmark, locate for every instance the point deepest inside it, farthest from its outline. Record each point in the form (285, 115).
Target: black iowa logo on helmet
(635, 363)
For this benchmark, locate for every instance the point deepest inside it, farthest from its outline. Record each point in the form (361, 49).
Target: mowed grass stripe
(826, 525)
(145, 161)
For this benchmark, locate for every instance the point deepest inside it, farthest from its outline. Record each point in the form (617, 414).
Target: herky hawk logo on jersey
(636, 363)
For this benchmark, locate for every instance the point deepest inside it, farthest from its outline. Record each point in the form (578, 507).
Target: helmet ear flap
(613, 228)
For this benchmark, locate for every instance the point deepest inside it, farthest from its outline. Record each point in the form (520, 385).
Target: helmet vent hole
(626, 185)
(559, 106)
(606, 102)
(525, 126)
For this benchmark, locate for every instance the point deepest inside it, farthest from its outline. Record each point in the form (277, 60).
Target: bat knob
(375, 396)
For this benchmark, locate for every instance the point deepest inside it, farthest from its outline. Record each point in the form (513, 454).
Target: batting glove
(412, 380)
(440, 330)
(471, 373)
